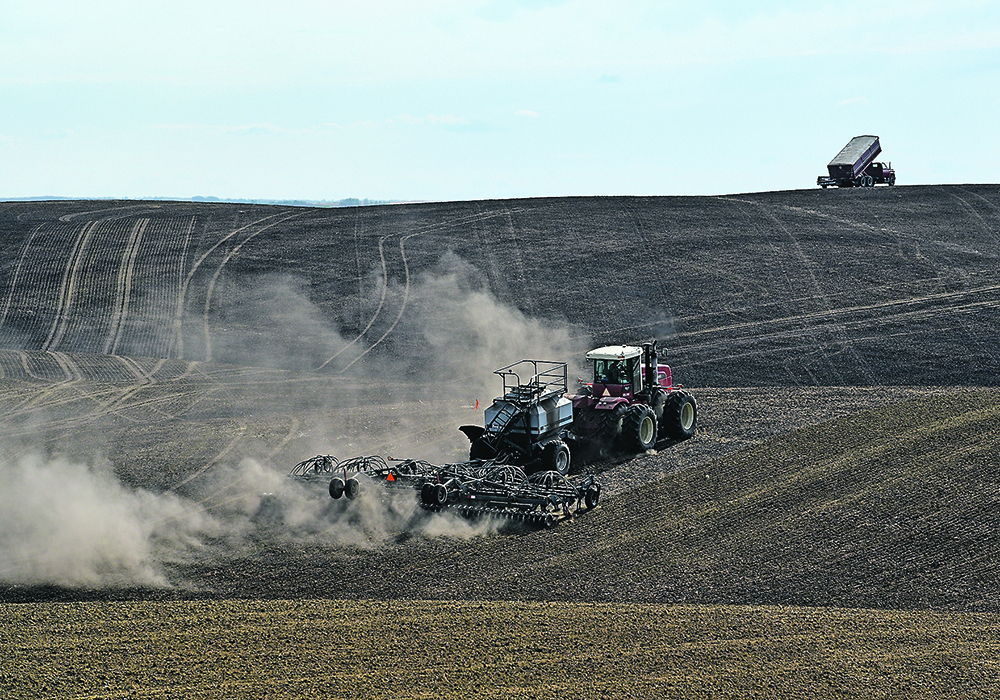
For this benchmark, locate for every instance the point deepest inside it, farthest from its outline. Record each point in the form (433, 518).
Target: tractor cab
(617, 370)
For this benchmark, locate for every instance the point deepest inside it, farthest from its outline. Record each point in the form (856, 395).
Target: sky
(442, 100)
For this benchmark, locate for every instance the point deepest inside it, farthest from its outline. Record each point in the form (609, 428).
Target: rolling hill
(163, 364)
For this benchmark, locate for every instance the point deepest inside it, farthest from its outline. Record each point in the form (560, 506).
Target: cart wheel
(336, 487)
(440, 494)
(555, 457)
(352, 488)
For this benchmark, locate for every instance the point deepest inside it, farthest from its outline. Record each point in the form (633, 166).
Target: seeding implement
(504, 490)
(473, 488)
(530, 421)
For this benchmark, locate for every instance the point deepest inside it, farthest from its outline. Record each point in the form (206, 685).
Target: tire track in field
(106, 399)
(527, 299)
(71, 376)
(123, 287)
(215, 460)
(876, 310)
(495, 269)
(66, 218)
(381, 301)
(177, 340)
(175, 344)
(806, 262)
(159, 259)
(421, 230)
(17, 273)
(218, 272)
(916, 321)
(402, 305)
(646, 246)
(979, 218)
(992, 205)
(67, 287)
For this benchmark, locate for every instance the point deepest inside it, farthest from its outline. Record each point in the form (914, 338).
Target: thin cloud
(443, 119)
(858, 101)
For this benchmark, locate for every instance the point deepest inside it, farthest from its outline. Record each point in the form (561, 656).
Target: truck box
(854, 157)
(854, 166)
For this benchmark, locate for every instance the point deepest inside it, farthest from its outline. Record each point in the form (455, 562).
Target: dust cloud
(77, 525)
(435, 344)
(422, 349)
(72, 524)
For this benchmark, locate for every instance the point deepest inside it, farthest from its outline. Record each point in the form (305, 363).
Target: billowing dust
(72, 522)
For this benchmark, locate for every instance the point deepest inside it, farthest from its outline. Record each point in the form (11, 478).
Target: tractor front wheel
(639, 427)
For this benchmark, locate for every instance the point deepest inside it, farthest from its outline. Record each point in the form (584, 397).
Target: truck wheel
(639, 427)
(680, 419)
(555, 457)
(892, 180)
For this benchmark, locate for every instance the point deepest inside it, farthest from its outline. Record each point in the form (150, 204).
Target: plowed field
(163, 365)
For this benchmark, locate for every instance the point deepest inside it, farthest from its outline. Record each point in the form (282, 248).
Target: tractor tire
(336, 487)
(610, 426)
(680, 418)
(639, 428)
(657, 402)
(556, 457)
(352, 488)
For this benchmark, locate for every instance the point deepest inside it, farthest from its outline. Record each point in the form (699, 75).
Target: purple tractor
(632, 401)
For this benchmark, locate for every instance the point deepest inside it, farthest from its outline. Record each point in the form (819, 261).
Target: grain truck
(855, 166)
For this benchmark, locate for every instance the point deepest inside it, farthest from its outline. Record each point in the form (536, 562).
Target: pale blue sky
(446, 100)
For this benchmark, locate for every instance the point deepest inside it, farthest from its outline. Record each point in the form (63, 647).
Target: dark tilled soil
(841, 345)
